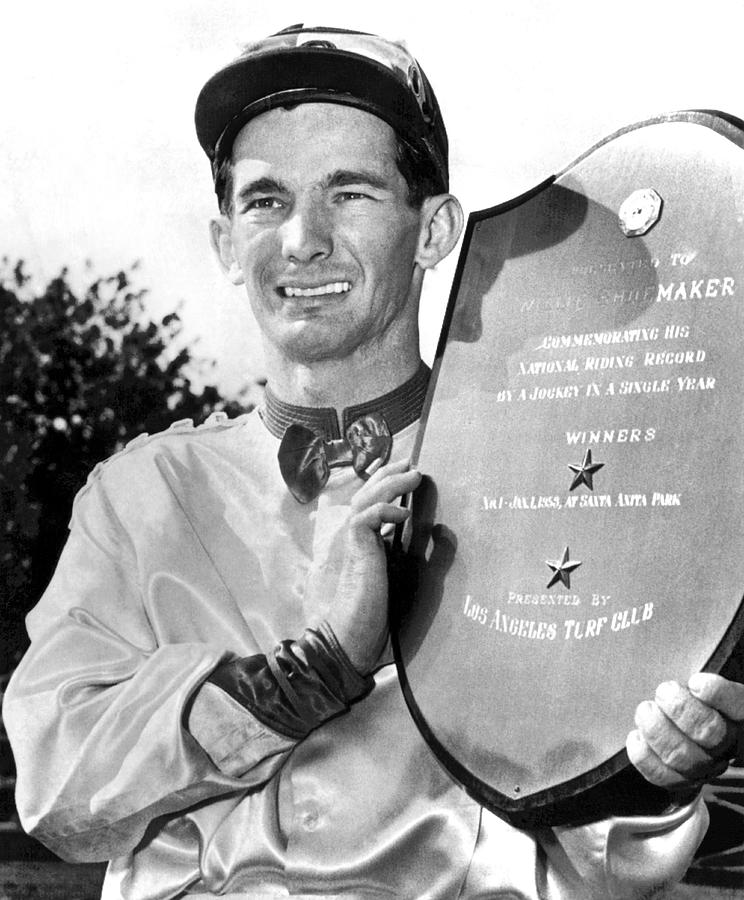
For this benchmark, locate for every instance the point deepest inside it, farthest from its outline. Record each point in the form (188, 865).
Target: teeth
(337, 287)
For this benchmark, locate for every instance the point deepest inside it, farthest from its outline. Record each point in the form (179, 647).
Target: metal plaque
(579, 535)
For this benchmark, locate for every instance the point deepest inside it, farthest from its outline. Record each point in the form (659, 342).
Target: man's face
(321, 232)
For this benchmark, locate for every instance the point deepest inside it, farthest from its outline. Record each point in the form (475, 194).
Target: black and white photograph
(371, 435)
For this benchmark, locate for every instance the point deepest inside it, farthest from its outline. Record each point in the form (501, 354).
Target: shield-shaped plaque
(579, 536)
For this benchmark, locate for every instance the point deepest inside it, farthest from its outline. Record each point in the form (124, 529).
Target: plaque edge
(568, 802)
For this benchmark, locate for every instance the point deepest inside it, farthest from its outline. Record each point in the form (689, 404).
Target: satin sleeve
(95, 711)
(256, 706)
(622, 858)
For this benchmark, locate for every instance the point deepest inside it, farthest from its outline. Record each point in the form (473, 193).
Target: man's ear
(219, 233)
(442, 219)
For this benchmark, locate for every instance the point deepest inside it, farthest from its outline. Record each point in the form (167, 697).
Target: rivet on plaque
(639, 212)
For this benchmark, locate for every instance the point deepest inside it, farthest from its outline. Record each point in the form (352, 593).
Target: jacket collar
(400, 407)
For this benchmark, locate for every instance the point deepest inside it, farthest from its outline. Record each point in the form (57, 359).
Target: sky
(99, 160)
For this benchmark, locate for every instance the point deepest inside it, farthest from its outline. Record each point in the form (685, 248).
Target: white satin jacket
(187, 548)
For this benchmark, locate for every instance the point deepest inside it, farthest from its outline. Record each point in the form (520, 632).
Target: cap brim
(255, 84)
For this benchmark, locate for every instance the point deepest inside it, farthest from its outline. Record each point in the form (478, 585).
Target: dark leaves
(82, 372)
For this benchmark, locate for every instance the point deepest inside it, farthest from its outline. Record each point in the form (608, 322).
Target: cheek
(257, 258)
(393, 256)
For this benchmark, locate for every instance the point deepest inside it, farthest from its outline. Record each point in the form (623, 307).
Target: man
(209, 699)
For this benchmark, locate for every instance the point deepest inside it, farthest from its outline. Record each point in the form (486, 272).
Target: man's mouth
(335, 287)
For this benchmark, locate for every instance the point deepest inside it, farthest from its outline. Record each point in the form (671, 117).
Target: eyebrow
(339, 178)
(346, 177)
(261, 186)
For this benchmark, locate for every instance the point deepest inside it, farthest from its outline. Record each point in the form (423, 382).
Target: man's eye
(344, 196)
(264, 203)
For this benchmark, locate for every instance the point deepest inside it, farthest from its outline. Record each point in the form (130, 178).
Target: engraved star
(562, 569)
(584, 473)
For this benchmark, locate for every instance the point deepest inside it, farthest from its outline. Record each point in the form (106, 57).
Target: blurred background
(116, 320)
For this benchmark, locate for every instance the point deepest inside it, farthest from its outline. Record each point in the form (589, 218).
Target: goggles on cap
(300, 65)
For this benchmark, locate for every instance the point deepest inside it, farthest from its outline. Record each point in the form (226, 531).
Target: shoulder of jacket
(177, 431)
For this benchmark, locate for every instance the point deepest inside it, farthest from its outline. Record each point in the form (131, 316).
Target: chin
(315, 354)
(315, 345)
(306, 349)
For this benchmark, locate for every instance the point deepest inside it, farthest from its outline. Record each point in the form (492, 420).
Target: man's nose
(306, 233)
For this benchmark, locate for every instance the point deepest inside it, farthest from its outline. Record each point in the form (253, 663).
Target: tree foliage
(82, 372)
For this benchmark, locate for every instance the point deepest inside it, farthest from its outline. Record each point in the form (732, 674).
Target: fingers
(655, 770)
(673, 747)
(378, 472)
(680, 740)
(649, 764)
(720, 693)
(374, 517)
(386, 485)
(698, 720)
(376, 502)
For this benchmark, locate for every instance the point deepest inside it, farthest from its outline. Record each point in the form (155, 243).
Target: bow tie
(305, 459)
